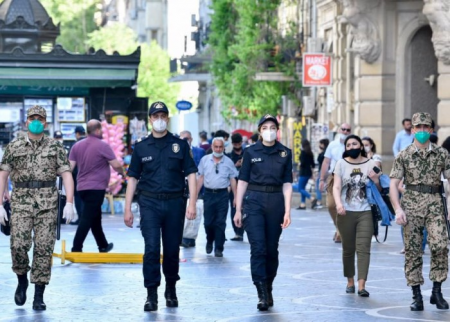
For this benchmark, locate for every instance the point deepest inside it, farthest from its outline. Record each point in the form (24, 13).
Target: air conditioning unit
(289, 107)
(309, 106)
(315, 45)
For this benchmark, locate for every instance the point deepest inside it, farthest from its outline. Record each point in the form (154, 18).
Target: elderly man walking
(217, 172)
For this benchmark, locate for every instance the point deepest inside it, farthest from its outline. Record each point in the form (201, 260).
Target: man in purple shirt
(93, 157)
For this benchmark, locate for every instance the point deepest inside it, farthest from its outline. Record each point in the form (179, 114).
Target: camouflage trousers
(43, 224)
(424, 210)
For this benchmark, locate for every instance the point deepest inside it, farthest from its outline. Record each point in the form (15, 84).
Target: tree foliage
(77, 19)
(245, 40)
(154, 69)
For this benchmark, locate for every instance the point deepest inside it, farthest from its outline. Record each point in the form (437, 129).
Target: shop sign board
(316, 70)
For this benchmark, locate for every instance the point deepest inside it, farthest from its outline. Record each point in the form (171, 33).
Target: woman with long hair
(371, 150)
(306, 170)
(354, 220)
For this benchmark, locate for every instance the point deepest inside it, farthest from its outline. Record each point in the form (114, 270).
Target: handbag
(191, 227)
(6, 229)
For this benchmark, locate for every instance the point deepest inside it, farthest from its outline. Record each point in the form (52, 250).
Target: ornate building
(391, 59)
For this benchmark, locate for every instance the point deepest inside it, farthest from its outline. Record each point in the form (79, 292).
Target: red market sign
(316, 70)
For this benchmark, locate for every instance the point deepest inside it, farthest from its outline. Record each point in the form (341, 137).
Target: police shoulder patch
(283, 154)
(176, 147)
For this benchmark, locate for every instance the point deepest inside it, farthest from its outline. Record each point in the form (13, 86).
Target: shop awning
(70, 77)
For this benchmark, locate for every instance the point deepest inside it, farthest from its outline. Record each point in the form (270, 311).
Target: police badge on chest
(147, 159)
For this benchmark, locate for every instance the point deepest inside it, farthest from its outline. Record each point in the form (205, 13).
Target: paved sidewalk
(309, 287)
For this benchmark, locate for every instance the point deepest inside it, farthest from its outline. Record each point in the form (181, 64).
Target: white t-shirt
(354, 177)
(334, 152)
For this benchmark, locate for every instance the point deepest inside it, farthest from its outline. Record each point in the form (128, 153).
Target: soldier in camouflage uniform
(33, 162)
(421, 165)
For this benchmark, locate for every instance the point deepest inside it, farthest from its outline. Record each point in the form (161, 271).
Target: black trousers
(238, 231)
(262, 216)
(91, 219)
(161, 218)
(215, 209)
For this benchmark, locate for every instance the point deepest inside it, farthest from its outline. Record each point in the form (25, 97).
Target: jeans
(301, 188)
(318, 192)
(91, 219)
(238, 231)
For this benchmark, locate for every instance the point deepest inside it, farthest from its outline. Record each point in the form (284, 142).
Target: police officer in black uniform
(159, 165)
(263, 204)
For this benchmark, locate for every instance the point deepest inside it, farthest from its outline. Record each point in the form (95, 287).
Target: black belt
(255, 187)
(35, 184)
(161, 196)
(424, 188)
(215, 190)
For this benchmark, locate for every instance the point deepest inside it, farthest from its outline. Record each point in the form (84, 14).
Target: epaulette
(141, 139)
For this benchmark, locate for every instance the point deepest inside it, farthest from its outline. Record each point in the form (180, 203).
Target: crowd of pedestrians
(253, 182)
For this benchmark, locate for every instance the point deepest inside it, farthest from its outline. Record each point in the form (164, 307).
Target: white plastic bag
(191, 227)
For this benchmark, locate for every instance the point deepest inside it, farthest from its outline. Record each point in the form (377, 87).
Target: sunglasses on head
(217, 168)
(345, 130)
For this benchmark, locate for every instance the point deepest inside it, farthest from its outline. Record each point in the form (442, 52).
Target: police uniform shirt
(161, 164)
(266, 166)
(217, 175)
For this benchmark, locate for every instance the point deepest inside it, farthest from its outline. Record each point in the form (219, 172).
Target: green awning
(71, 77)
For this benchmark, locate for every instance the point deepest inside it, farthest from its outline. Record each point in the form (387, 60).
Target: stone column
(438, 14)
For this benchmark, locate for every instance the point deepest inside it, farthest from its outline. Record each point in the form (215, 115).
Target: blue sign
(183, 105)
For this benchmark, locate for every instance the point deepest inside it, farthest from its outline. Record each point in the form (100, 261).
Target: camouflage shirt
(422, 167)
(30, 160)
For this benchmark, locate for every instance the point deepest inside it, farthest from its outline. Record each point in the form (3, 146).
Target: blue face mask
(422, 136)
(227, 143)
(36, 127)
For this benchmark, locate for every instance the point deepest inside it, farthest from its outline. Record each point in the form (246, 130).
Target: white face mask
(159, 125)
(367, 148)
(269, 135)
(343, 137)
(218, 154)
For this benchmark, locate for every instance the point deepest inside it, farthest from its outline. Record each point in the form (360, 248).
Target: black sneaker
(237, 238)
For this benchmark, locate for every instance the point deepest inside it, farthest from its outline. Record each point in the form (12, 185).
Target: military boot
(38, 303)
(171, 295)
(21, 292)
(417, 305)
(269, 293)
(152, 299)
(437, 298)
(263, 304)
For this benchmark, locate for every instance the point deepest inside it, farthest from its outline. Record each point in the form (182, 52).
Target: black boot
(269, 293)
(38, 303)
(152, 299)
(437, 298)
(263, 304)
(417, 305)
(171, 295)
(21, 292)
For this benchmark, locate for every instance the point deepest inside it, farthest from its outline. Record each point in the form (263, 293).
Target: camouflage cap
(421, 118)
(37, 110)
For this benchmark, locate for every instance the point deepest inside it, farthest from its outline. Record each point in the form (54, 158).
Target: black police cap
(266, 118)
(158, 107)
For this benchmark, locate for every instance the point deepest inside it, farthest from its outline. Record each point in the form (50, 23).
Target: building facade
(391, 60)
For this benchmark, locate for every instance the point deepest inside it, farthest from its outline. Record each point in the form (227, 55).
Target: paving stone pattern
(309, 286)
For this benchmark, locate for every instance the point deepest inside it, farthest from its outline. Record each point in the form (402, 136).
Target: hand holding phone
(376, 169)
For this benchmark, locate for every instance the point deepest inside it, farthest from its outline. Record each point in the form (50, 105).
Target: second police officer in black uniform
(159, 165)
(263, 204)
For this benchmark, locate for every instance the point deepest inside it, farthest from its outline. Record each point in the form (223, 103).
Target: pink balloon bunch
(113, 135)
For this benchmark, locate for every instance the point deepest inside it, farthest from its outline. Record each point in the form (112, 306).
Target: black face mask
(237, 149)
(353, 153)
